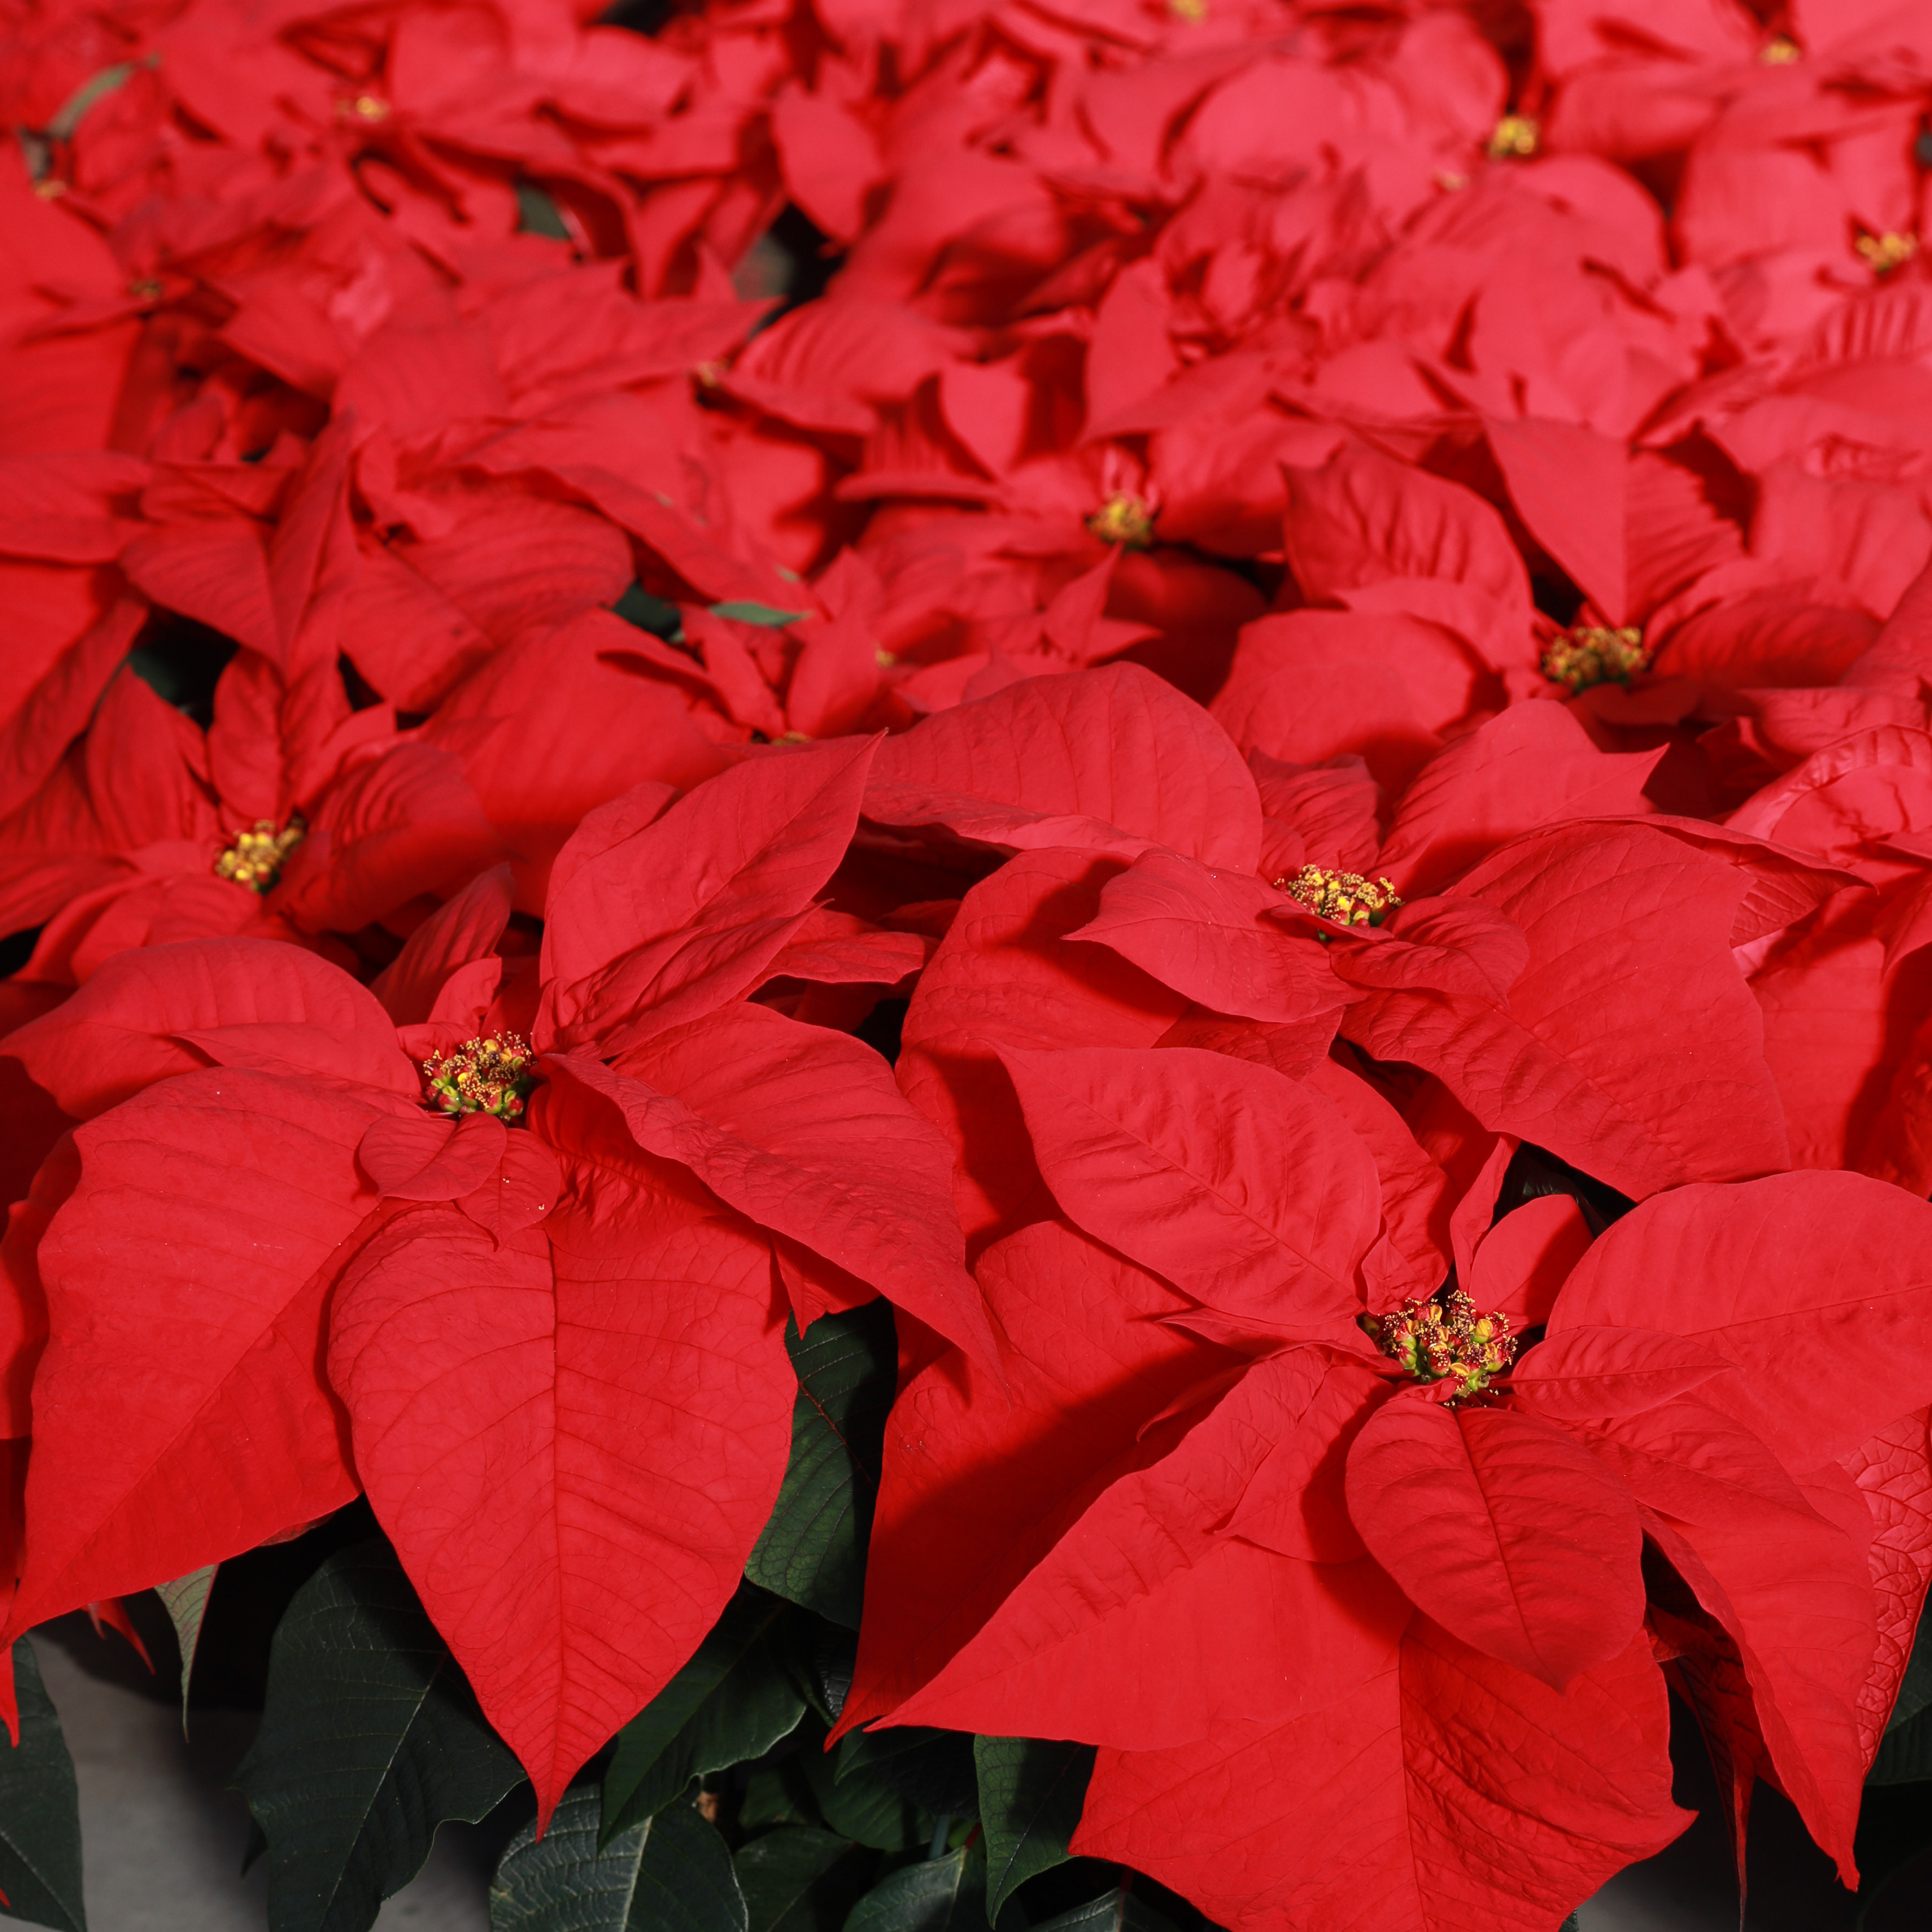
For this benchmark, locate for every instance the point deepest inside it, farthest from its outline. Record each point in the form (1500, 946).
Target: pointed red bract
(128, 1026)
(151, 1461)
(1818, 1286)
(1390, 1812)
(684, 912)
(1110, 761)
(512, 1409)
(802, 1130)
(1503, 1530)
(1176, 1160)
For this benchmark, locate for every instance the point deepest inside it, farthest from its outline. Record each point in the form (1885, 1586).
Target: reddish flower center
(1443, 1338)
(1124, 519)
(490, 1075)
(1588, 654)
(1515, 135)
(257, 857)
(1347, 898)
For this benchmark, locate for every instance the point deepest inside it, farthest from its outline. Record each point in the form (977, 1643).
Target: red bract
(1511, 1514)
(532, 1332)
(291, 817)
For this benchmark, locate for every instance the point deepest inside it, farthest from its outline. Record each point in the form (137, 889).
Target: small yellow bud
(1125, 519)
(1516, 136)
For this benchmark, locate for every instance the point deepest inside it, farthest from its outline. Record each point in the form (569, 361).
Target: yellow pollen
(1192, 11)
(370, 107)
(885, 659)
(709, 374)
(1515, 135)
(1887, 251)
(1444, 1337)
(1780, 53)
(144, 288)
(256, 857)
(1588, 654)
(1124, 520)
(52, 189)
(1347, 898)
(488, 1076)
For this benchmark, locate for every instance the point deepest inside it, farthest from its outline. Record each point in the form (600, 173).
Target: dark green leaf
(40, 1810)
(186, 1602)
(822, 1657)
(813, 1549)
(799, 1880)
(644, 612)
(934, 1768)
(1119, 1910)
(369, 1740)
(1572, 1924)
(1914, 1687)
(779, 1794)
(945, 1895)
(733, 1701)
(741, 611)
(537, 213)
(671, 1873)
(1030, 1794)
(862, 1808)
(1904, 1753)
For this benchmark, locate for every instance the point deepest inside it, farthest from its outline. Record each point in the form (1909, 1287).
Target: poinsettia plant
(972, 963)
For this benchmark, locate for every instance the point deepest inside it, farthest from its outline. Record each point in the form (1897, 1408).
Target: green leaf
(537, 213)
(1120, 1910)
(1030, 1793)
(1914, 1687)
(934, 1768)
(944, 1894)
(1904, 1753)
(40, 1810)
(733, 1701)
(779, 1794)
(670, 1874)
(66, 123)
(369, 1740)
(742, 611)
(813, 1549)
(185, 1599)
(798, 1879)
(644, 612)
(862, 1808)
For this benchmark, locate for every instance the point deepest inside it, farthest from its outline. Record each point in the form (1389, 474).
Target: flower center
(1780, 53)
(364, 107)
(1192, 11)
(256, 857)
(1514, 135)
(1887, 251)
(489, 1076)
(1588, 654)
(1347, 898)
(1124, 519)
(1443, 1338)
